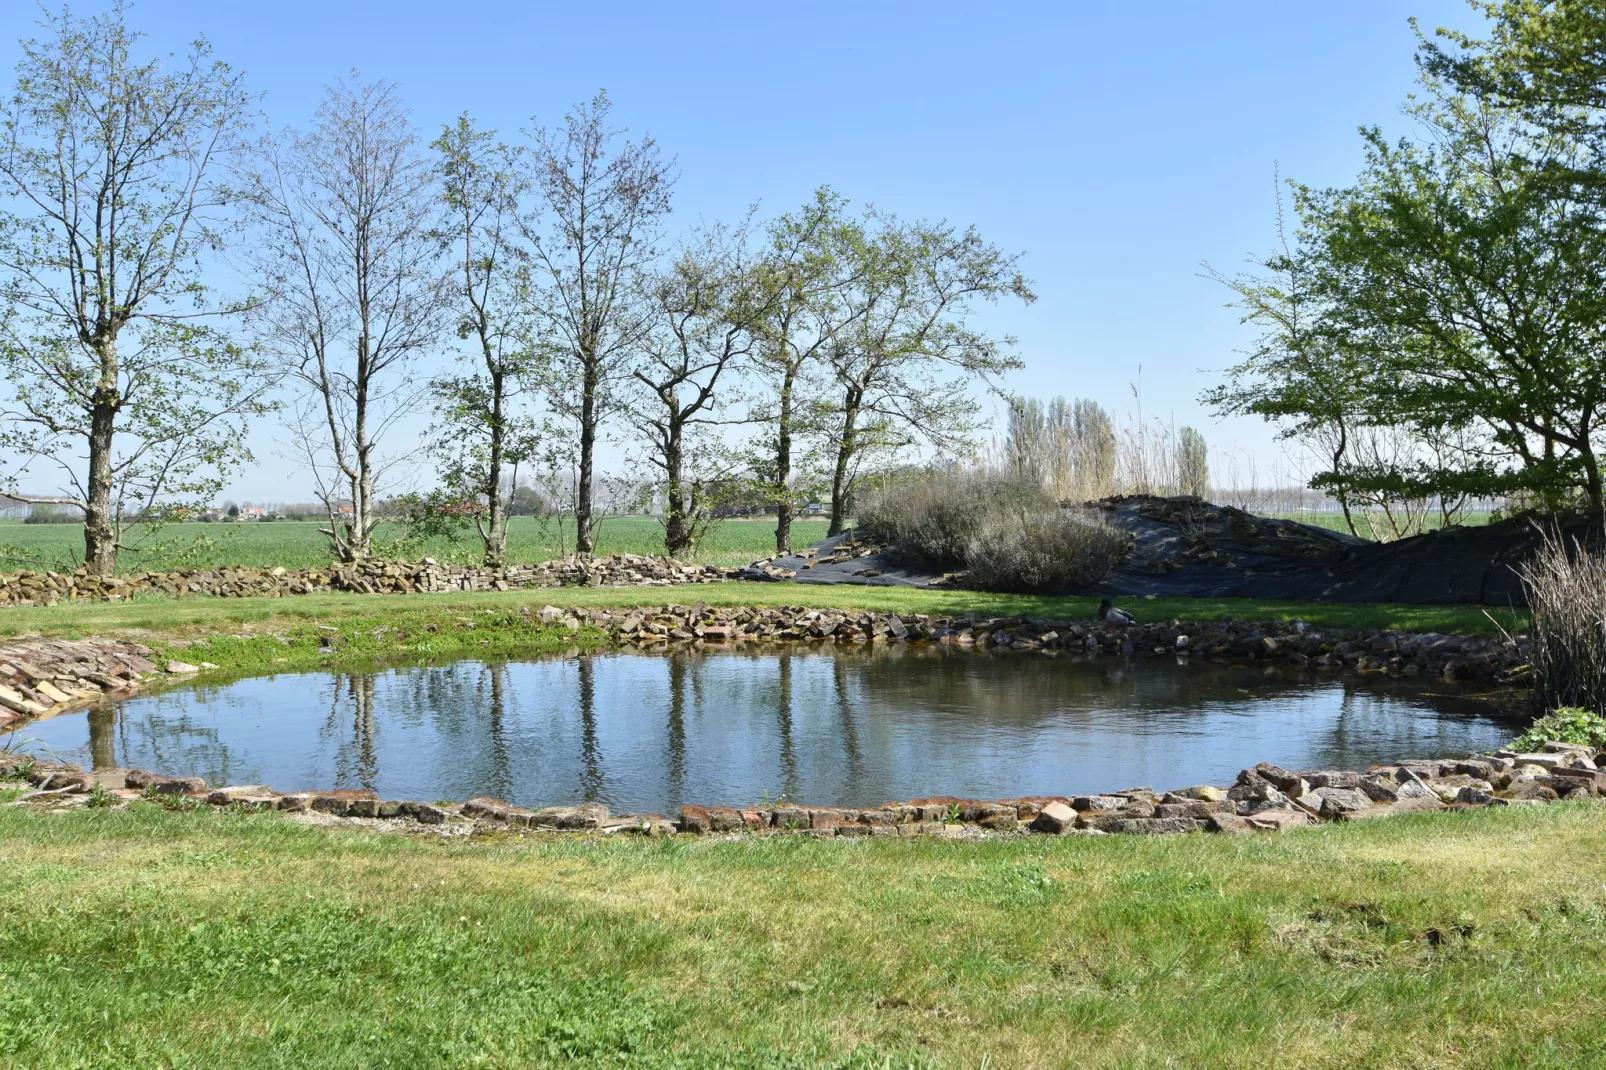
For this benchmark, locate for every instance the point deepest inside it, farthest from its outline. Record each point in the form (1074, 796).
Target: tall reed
(1566, 585)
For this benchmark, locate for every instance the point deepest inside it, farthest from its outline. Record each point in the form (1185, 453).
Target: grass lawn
(296, 544)
(261, 634)
(150, 938)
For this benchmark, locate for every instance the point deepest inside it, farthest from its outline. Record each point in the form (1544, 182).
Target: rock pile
(368, 577)
(1265, 798)
(45, 676)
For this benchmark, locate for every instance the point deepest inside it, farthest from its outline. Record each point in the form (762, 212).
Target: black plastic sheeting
(1185, 547)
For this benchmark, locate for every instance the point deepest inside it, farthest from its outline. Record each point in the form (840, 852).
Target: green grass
(210, 939)
(1335, 521)
(297, 544)
(265, 634)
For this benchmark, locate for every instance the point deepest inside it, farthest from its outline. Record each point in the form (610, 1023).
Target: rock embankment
(1264, 798)
(39, 677)
(369, 577)
(1289, 643)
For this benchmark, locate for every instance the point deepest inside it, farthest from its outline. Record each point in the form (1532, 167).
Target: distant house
(252, 512)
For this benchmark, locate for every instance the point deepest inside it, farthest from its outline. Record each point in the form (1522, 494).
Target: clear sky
(1117, 145)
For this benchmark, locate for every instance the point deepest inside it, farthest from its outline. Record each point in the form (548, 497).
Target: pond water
(647, 732)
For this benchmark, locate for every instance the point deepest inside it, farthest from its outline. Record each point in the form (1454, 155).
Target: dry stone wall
(369, 577)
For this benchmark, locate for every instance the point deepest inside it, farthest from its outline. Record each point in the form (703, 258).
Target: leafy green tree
(708, 307)
(109, 337)
(802, 280)
(1455, 292)
(905, 355)
(482, 435)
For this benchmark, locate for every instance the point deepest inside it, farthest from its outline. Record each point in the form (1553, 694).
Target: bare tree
(351, 259)
(707, 310)
(108, 165)
(602, 204)
(482, 435)
(904, 367)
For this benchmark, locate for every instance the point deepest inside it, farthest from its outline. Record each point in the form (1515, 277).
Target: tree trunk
(584, 542)
(496, 529)
(844, 459)
(783, 467)
(677, 524)
(100, 534)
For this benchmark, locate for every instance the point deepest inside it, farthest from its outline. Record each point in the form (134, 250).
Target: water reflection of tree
(591, 776)
(784, 715)
(357, 743)
(467, 706)
(164, 732)
(847, 717)
(675, 736)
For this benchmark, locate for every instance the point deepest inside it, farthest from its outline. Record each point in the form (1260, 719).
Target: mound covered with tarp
(1183, 546)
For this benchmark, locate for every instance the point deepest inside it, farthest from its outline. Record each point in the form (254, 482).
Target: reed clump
(1566, 585)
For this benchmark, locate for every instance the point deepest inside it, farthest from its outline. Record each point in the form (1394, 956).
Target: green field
(297, 544)
(1335, 521)
(152, 938)
(462, 624)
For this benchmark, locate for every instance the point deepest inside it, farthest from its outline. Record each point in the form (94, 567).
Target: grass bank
(260, 634)
(174, 939)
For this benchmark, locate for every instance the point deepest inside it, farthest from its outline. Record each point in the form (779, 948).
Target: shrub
(1566, 585)
(935, 515)
(54, 514)
(1566, 725)
(1008, 534)
(1043, 552)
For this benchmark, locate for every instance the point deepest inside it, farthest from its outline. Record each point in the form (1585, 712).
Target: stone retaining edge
(1264, 798)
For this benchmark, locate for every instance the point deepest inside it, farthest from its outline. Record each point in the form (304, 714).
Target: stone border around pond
(1293, 644)
(1264, 798)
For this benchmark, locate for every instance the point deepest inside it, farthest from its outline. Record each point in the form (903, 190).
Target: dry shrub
(934, 515)
(1566, 586)
(1043, 553)
(1009, 534)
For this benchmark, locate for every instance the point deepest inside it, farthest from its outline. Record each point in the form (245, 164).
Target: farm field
(297, 544)
(1335, 521)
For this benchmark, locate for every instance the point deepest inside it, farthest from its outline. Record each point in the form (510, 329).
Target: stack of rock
(45, 676)
(367, 577)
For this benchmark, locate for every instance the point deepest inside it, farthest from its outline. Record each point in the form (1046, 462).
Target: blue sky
(1117, 145)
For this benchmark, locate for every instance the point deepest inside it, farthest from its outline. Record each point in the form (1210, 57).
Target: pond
(647, 732)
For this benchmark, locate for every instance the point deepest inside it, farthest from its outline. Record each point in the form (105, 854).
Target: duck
(1115, 618)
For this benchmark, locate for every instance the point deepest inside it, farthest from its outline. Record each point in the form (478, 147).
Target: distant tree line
(526, 291)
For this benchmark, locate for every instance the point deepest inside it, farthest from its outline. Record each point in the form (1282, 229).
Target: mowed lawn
(151, 938)
(297, 544)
